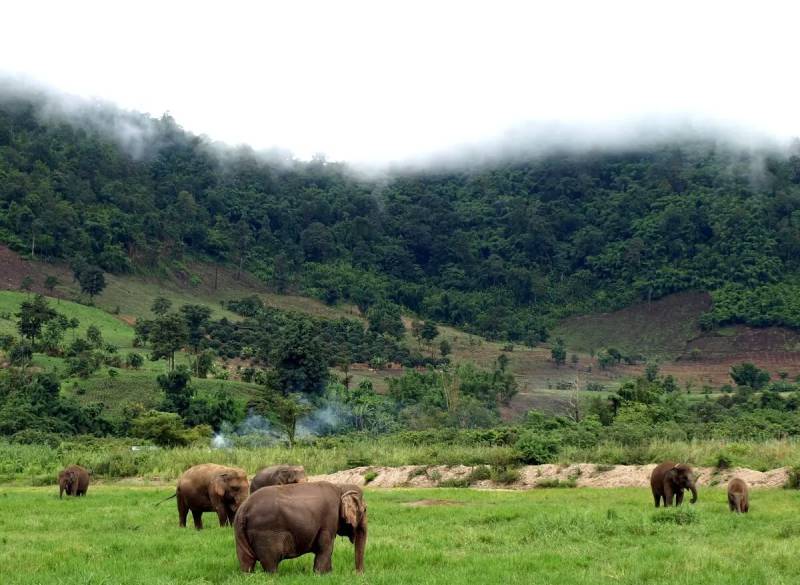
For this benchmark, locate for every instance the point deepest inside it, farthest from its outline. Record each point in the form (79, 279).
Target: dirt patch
(537, 476)
(424, 503)
(657, 328)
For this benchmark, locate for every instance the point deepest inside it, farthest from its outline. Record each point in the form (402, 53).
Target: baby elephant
(668, 481)
(286, 521)
(74, 480)
(738, 496)
(278, 475)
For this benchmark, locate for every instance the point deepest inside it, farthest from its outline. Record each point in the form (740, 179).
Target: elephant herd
(280, 515)
(669, 480)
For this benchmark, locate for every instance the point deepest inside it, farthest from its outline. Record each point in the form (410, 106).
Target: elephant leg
(679, 497)
(323, 554)
(183, 512)
(222, 514)
(270, 564)
(657, 498)
(197, 516)
(668, 496)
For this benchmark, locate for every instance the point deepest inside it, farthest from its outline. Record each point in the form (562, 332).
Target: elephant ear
(352, 508)
(219, 484)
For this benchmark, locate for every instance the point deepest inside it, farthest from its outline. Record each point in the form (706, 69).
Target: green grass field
(113, 329)
(116, 535)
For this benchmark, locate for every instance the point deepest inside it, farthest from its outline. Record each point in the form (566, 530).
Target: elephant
(211, 488)
(669, 479)
(738, 496)
(74, 480)
(278, 475)
(287, 521)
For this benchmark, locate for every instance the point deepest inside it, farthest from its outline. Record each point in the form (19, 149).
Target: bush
(456, 482)
(134, 360)
(536, 448)
(724, 461)
(479, 473)
(554, 482)
(793, 480)
(369, 476)
(504, 475)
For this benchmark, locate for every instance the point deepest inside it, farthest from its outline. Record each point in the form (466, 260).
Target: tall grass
(759, 455)
(115, 458)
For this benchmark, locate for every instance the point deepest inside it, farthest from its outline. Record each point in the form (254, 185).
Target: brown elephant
(738, 496)
(286, 521)
(211, 488)
(278, 475)
(668, 481)
(74, 480)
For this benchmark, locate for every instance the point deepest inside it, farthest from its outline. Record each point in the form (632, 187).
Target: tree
(558, 352)
(178, 392)
(502, 362)
(73, 324)
(289, 411)
(161, 306)
(429, 332)
(92, 281)
(166, 336)
(749, 375)
(445, 348)
(94, 336)
(385, 318)
(53, 334)
(134, 360)
(163, 428)
(300, 364)
(26, 283)
(32, 316)
(50, 284)
(195, 317)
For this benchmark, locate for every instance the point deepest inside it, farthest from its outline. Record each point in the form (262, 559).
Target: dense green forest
(501, 250)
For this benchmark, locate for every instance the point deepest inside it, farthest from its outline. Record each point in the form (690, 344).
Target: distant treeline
(500, 251)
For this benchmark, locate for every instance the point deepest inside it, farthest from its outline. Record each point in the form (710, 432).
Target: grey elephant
(211, 488)
(669, 480)
(287, 521)
(278, 475)
(74, 480)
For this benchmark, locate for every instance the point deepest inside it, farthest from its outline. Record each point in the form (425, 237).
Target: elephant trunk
(361, 544)
(694, 493)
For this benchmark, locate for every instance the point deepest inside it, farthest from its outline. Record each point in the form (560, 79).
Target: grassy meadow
(116, 535)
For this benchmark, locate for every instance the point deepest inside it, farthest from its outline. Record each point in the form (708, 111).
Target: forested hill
(501, 250)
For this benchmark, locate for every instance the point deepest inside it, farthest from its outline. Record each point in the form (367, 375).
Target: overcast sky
(391, 80)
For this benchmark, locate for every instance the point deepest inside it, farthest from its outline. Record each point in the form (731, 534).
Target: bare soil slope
(533, 476)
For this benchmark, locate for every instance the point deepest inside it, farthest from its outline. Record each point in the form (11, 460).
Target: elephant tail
(247, 557)
(167, 498)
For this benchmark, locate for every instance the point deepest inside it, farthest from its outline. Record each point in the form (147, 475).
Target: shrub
(793, 479)
(504, 475)
(479, 473)
(369, 476)
(134, 360)
(455, 482)
(554, 482)
(724, 461)
(536, 448)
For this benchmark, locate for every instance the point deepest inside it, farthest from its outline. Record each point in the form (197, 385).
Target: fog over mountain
(408, 82)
